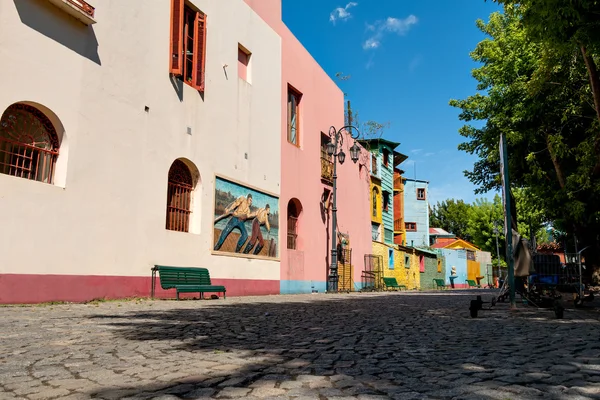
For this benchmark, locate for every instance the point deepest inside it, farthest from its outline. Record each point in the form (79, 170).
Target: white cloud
(429, 154)
(416, 151)
(390, 25)
(341, 12)
(414, 63)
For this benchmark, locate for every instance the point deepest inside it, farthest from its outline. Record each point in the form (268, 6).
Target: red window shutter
(176, 44)
(199, 52)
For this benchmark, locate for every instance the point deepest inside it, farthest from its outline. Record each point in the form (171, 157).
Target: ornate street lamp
(334, 148)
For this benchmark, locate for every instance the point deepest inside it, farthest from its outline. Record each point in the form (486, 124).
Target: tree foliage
(535, 88)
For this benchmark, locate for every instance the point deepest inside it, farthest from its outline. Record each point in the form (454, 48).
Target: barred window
(28, 144)
(179, 197)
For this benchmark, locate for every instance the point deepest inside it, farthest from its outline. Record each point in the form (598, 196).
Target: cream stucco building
(110, 144)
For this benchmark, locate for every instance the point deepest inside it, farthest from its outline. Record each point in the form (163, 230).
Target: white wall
(109, 218)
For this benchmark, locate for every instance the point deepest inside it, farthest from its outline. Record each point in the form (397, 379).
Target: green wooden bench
(439, 283)
(393, 283)
(185, 280)
(472, 283)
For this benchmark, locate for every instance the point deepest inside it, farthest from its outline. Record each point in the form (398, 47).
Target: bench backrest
(390, 281)
(173, 276)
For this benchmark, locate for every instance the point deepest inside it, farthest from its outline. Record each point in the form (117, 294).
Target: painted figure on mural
(261, 217)
(240, 212)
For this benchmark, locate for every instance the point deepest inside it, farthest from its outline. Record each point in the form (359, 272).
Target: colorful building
(310, 104)
(416, 212)
(121, 143)
(464, 257)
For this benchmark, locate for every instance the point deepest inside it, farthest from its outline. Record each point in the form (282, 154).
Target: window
(386, 200)
(391, 258)
(374, 201)
(374, 166)
(420, 193)
(179, 197)
(293, 213)
(406, 262)
(243, 63)
(292, 116)
(410, 226)
(326, 162)
(188, 44)
(439, 266)
(28, 144)
(375, 231)
(386, 157)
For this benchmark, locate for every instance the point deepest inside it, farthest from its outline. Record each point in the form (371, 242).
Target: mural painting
(246, 220)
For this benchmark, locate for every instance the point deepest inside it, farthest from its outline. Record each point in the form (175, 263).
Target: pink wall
(322, 105)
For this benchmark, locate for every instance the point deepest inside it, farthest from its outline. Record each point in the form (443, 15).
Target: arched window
(179, 197)
(28, 144)
(293, 213)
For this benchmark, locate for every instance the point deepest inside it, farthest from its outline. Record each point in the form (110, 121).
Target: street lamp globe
(354, 152)
(330, 148)
(342, 156)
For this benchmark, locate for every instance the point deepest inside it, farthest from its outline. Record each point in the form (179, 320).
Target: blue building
(416, 212)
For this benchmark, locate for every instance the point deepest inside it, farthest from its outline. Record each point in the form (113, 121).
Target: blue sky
(406, 60)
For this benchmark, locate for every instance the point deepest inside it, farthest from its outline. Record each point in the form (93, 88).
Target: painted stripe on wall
(297, 287)
(21, 288)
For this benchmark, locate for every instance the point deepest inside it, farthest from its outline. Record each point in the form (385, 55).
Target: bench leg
(224, 296)
(177, 295)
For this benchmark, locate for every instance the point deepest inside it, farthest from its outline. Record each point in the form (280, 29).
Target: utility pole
(496, 231)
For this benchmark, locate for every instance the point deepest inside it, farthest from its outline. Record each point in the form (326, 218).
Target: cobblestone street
(356, 346)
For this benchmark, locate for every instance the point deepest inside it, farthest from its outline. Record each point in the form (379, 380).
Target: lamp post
(334, 148)
(496, 232)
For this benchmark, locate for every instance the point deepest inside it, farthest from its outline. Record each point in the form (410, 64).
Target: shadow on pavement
(418, 345)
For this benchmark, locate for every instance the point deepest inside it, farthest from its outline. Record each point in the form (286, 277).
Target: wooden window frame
(424, 197)
(386, 157)
(180, 189)
(375, 200)
(179, 44)
(244, 64)
(407, 224)
(385, 204)
(298, 97)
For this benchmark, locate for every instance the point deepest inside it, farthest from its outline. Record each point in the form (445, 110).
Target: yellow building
(399, 262)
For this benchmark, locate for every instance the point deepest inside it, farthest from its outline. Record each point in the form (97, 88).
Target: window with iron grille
(179, 197)
(28, 144)
(188, 43)
(292, 225)
(420, 193)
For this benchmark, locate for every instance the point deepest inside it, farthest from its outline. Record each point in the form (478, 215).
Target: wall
(99, 233)
(321, 106)
(387, 185)
(431, 271)
(416, 211)
(399, 235)
(408, 277)
(458, 259)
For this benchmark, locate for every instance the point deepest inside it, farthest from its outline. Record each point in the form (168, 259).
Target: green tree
(452, 216)
(539, 96)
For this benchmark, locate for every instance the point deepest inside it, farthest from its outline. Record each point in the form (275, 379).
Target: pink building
(311, 103)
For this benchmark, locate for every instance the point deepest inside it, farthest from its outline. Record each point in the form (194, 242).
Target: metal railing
(83, 6)
(26, 161)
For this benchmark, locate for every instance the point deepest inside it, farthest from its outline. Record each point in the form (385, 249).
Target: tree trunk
(559, 172)
(592, 69)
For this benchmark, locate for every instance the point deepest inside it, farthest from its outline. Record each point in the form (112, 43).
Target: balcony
(79, 9)
(398, 225)
(326, 169)
(398, 187)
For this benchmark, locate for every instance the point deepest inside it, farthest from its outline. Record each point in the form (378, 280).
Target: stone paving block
(233, 392)
(48, 394)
